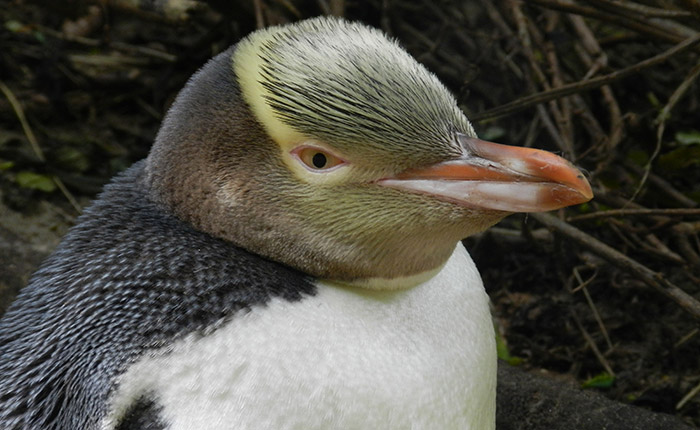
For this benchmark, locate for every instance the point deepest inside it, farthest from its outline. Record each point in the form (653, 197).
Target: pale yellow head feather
(349, 86)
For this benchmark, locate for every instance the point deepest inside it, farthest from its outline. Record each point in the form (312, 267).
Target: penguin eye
(317, 159)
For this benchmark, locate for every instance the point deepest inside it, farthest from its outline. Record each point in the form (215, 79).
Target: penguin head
(325, 146)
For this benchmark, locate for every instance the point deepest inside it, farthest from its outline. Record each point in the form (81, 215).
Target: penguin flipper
(143, 414)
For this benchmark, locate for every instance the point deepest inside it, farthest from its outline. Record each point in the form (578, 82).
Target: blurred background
(612, 85)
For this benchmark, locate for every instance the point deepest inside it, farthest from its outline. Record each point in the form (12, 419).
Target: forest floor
(612, 86)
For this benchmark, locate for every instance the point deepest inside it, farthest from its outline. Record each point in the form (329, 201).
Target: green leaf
(72, 159)
(601, 380)
(39, 36)
(14, 26)
(35, 181)
(493, 133)
(680, 158)
(6, 165)
(504, 353)
(688, 137)
(654, 100)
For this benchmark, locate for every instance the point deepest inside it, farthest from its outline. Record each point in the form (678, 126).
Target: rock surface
(531, 402)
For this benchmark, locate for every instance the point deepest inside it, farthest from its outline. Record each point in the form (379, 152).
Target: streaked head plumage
(349, 85)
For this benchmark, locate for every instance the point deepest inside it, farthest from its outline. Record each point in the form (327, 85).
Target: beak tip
(585, 190)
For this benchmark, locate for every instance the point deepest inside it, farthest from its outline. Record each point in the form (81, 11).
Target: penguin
(288, 255)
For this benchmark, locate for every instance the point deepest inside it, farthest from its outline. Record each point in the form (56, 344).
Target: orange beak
(499, 177)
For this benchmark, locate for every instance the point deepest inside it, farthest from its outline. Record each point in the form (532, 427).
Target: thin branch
(34, 143)
(591, 304)
(544, 96)
(648, 14)
(634, 212)
(19, 112)
(694, 392)
(338, 7)
(682, 233)
(664, 186)
(661, 120)
(653, 279)
(259, 19)
(640, 26)
(589, 340)
(120, 46)
(646, 11)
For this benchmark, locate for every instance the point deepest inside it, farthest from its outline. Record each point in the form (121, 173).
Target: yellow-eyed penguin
(287, 257)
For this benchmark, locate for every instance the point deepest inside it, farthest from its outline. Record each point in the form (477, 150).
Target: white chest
(422, 358)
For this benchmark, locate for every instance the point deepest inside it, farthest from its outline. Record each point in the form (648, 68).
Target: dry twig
(576, 87)
(31, 138)
(591, 343)
(661, 120)
(144, 51)
(34, 143)
(634, 212)
(653, 279)
(645, 27)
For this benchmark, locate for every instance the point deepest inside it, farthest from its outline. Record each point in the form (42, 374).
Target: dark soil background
(85, 85)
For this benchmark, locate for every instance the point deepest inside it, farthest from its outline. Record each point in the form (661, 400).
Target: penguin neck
(390, 284)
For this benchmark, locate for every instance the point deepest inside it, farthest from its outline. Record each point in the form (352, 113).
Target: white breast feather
(422, 358)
